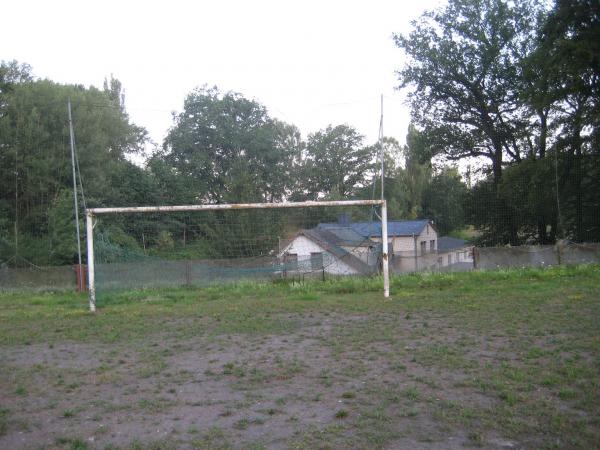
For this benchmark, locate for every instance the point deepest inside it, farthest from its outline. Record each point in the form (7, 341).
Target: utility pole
(16, 257)
(71, 134)
(381, 148)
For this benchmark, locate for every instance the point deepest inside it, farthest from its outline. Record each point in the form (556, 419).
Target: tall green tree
(336, 164)
(443, 200)
(465, 70)
(228, 149)
(35, 171)
(568, 55)
(417, 171)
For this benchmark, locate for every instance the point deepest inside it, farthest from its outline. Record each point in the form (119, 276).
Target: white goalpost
(93, 213)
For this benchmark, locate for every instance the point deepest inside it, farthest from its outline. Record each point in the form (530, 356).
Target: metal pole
(90, 259)
(416, 255)
(16, 207)
(384, 243)
(79, 273)
(226, 206)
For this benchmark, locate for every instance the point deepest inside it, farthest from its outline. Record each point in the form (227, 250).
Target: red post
(80, 272)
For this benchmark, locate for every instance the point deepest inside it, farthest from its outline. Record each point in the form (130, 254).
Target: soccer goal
(195, 245)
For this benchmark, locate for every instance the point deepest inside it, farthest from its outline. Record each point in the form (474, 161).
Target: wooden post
(80, 277)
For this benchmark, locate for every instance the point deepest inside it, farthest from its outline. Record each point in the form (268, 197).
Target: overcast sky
(311, 63)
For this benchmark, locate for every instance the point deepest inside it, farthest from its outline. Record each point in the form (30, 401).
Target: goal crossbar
(224, 206)
(91, 212)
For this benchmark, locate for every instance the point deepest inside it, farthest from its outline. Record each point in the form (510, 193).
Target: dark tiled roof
(447, 243)
(344, 236)
(395, 227)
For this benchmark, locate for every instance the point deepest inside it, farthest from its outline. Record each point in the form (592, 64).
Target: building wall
(403, 244)
(403, 262)
(428, 234)
(454, 256)
(303, 247)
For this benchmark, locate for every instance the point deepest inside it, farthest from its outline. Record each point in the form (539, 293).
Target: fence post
(188, 272)
(558, 249)
(80, 275)
(416, 254)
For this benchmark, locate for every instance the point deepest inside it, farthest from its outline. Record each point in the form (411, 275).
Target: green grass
(4, 414)
(513, 353)
(261, 307)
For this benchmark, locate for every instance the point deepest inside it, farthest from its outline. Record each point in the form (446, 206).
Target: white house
(336, 251)
(347, 248)
(412, 243)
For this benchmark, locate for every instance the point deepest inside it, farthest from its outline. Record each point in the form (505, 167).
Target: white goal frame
(91, 212)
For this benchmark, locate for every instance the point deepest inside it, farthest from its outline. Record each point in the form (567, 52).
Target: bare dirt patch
(335, 380)
(507, 360)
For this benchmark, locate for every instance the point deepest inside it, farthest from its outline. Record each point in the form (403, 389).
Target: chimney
(344, 219)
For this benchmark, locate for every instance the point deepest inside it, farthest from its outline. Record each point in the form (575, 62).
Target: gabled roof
(395, 227)
(344, 236)
(447, 243)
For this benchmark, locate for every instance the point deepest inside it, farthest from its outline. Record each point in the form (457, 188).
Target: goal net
(155, 247)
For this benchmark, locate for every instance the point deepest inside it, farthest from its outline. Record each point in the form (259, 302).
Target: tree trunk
(543, 133)
(497, 163)
(542, 232)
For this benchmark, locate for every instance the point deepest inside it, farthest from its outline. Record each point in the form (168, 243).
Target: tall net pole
(381, 148)
(72, 141)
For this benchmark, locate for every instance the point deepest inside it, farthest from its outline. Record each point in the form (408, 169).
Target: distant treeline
(514, 85)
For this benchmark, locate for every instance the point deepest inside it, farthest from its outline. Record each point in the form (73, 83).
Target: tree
(465, 66)
(12, 73)
(228, 149)
(35, 171)
(394, 190)
(443, 200)
(568, 57)
(417, 171)
(511, 212)
(335, 165)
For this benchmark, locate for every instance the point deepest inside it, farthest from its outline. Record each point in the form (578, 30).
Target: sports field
(507, 359)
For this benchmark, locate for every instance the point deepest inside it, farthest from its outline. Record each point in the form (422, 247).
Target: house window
(291, 261)
(432, 245)
(316, 261)
(450, 259)
(423, 247)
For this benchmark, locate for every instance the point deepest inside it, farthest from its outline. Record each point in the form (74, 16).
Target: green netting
(148, 250)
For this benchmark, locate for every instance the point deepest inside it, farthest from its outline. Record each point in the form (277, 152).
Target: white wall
(303, 247)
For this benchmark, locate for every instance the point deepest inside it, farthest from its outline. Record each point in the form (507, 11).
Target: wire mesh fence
(540, 213)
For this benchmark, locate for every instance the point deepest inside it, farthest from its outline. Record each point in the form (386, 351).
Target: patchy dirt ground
(335, 381)
(441, 366)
